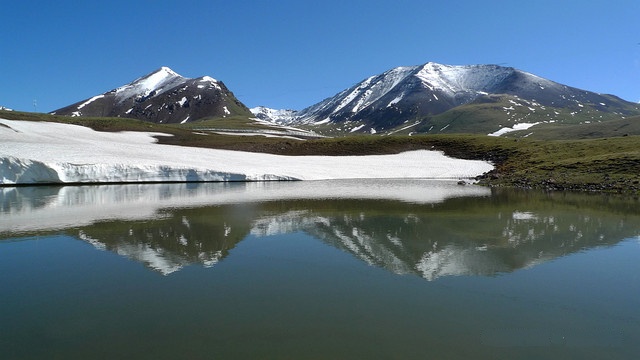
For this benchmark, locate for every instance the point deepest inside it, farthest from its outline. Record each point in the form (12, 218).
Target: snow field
(43, 152)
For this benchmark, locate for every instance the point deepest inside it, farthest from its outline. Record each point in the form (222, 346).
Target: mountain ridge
(413, 95)
(428, 98)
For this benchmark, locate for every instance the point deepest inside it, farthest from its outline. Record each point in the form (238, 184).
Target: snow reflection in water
(427, 228)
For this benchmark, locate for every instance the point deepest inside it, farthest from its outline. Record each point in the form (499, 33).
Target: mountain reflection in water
(427, 228)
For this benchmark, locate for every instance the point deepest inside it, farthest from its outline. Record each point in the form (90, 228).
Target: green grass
(484, 117)
(609, 164)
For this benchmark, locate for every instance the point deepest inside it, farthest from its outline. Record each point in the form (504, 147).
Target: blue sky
(292, 54)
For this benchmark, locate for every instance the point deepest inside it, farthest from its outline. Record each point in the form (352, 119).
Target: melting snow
(357, 128)
(516, 127)
(90, 101)
(396, 100)
(77, 154)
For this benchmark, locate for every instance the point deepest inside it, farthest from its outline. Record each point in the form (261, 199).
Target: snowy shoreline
(53, 153)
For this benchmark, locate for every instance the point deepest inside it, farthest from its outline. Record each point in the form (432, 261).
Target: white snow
(453, 79)
(226, 111)
(76, 154)
(182, 101)
(212, 82)
(209, 79)
(405, 128)
(396, 100)
(516, 127)
(357, 128)
(353, 94)
(164, 78)
(265, 134)
(90, 101)
(370, 91)
(282, 116)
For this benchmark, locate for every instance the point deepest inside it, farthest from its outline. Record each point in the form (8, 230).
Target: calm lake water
(391, 269)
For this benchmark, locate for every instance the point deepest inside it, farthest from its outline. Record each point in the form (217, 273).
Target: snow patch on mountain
(210, 81)
(90, 101)
(162, 79)
(456, 79)
(515, 127)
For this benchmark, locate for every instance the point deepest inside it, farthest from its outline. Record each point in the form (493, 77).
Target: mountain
(276, 116)
(5, 108)
(445, 98)
(162, 96)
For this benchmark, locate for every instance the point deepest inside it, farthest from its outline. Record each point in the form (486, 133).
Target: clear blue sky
(294, 53)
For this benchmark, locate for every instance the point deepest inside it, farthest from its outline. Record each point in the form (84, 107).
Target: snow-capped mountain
(5, 108)
(412, 94)
(162, 96)
(286, 116)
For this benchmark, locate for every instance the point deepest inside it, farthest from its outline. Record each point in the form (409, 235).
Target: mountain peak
(167, 70)
(411, 97)
(162, 96)
(154, 83)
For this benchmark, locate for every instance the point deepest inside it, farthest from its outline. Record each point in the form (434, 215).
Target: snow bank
(43, 152)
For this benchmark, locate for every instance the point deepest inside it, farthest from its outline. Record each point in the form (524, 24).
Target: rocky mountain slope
(477, 98)
(162, 96)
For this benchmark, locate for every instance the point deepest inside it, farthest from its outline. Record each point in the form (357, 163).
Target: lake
(377, 269)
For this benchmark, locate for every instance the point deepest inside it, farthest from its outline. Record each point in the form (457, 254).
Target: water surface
(341, 269)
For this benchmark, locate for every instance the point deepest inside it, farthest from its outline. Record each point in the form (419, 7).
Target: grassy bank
(605, 164)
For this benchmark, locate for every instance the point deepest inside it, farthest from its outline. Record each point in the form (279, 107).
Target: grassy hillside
(491, 113)
(602, 164)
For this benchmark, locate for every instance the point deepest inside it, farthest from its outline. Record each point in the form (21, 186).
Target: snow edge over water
(41, 153)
